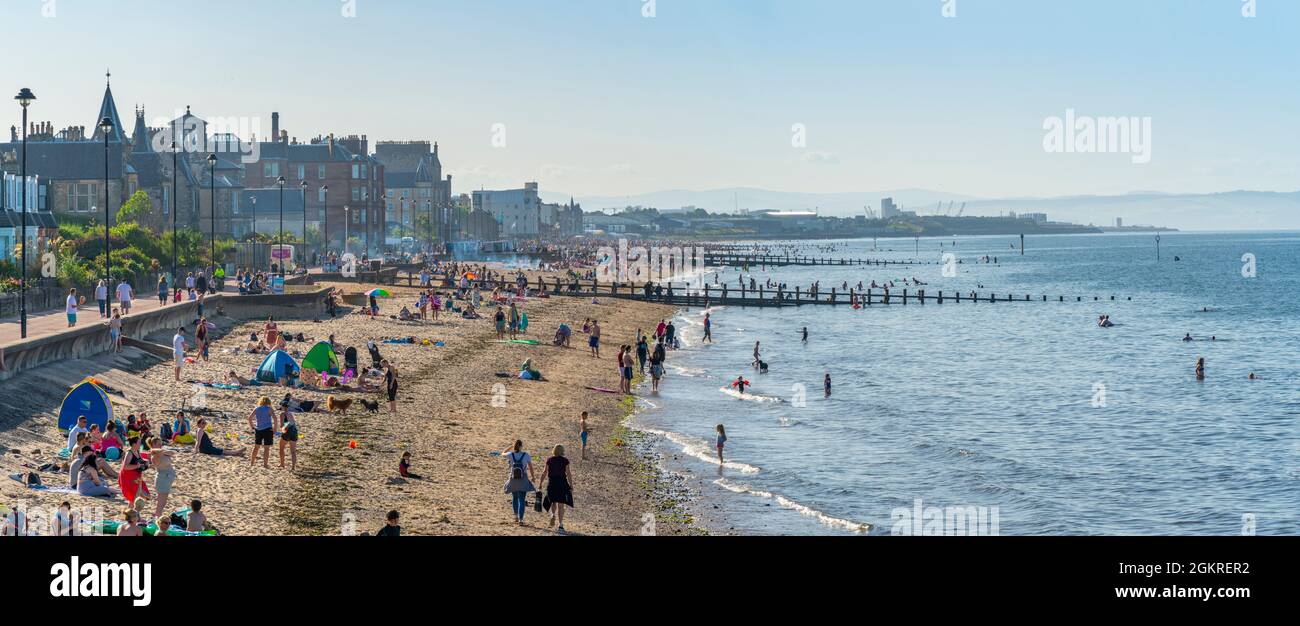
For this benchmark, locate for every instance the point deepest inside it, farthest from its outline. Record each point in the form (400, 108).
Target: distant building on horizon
(888, 209)
(517, 211)
(1119, 222)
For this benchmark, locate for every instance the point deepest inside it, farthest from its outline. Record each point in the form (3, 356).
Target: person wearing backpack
(520, 482)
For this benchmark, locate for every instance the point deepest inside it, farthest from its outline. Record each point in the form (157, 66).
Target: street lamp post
(175, 173)
(279, 238)
(347, 217)
(306, 259)
(24, 98)
(401, 220)
(212, 219)
(325, 217)
(106, 125)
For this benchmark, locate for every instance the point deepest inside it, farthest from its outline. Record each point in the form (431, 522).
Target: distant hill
(1232, 210)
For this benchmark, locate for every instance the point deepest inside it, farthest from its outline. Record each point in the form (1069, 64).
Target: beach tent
(88, 399)
(274, 366)
(321, 358)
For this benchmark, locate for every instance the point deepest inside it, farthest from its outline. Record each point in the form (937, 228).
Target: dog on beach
(371, 405)
(338, 405)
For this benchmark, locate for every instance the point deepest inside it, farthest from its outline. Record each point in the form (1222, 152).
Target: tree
(136, 208)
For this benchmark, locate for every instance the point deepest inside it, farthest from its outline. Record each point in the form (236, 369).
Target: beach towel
(22, 478)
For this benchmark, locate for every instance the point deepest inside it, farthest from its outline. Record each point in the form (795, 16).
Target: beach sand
(447, 419)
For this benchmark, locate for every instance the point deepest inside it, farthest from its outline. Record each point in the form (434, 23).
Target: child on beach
(404, 467)
(583, 432)
(289, 438)
(722, 440)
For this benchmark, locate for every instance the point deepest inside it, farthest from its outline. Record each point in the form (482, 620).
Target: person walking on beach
(178, 350)
(71, 308)
(594, 339)
(721, 441)
(657, 365)
(165, 473)
(559, 489)
(201, 337)
(115, 332)
(514, 320)
(625, 369)
(583, 432)
(708, 329)
(520, 482)
(101, 296)
(289, 438)
(390, 384)
(500, 319)
(262, 420)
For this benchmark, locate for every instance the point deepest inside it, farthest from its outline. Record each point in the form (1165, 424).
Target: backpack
(165, 431)
(516, 466)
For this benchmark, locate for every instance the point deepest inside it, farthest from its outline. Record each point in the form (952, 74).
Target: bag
(516, 466)
(32, 479)
(178, 521)
(165, 431)
(537, 502)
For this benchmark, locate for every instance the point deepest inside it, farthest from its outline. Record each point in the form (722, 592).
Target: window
(82, 196)
(356, 171)
(365, 193)
(320, 195)
(166, 201)
(320, 172)
(271, 170)
(424, 193)
(356, 194)
(41, 198)
(302, 172)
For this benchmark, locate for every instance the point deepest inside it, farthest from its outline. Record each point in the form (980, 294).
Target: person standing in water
(722, 440)
(740, 384)
(826, 385)
(1200, 368)
(756, 359)
(805, 334)
(708, 329)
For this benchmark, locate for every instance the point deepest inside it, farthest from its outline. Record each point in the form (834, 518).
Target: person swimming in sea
(826, 385)
(1200, 368)
(1187, 337)
(805, 334)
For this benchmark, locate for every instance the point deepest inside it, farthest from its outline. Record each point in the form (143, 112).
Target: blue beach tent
(275, 365)
(88, 399)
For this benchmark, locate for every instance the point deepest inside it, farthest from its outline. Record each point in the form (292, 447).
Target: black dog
(371, 405)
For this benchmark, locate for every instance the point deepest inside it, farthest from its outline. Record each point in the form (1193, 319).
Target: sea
(1006, 418)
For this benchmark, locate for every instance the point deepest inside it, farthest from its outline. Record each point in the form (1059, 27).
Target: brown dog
(337, 405)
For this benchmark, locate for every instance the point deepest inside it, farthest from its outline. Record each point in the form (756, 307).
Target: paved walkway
(56, 321)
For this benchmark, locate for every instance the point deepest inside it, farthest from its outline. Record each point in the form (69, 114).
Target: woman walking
(162, 291)
(559, 489)
(166, 475)
(520, 482)
(289, 438)
(101, 296)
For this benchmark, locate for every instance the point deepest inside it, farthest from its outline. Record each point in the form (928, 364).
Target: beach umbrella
(380, 292)
(471, 275)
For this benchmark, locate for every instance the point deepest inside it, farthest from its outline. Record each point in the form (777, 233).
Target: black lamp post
(24, 98)
(401, 220)
(279, 238)
(106, 125)
(175, 173)
(212, 223)
(428, 206)
(325, 216)
(347, 218)
(303, 186)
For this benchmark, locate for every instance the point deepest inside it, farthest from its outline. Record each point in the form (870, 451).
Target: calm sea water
(1000, 405)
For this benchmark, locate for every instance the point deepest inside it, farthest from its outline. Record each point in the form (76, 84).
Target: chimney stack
(275, 124)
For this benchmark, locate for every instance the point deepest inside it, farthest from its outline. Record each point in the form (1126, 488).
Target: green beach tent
(321, 358)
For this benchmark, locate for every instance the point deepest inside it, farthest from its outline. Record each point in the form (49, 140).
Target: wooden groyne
(714, 259)
(718, 295)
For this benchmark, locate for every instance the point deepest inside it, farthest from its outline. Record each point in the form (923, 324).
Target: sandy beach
(447, 418)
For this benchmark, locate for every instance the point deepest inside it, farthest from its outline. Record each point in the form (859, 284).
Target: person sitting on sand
(562, 335)
(404, 467)
(132, 526)
(89, 481)
(298, 406)
(526, 371)
(196, 521)
(235, 379)
(203, 443)
(181, 431)
(405, 314)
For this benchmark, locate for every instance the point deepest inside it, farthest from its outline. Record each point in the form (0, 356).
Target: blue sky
(597, 99)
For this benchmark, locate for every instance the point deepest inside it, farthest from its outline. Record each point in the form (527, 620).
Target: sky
(612, 97)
